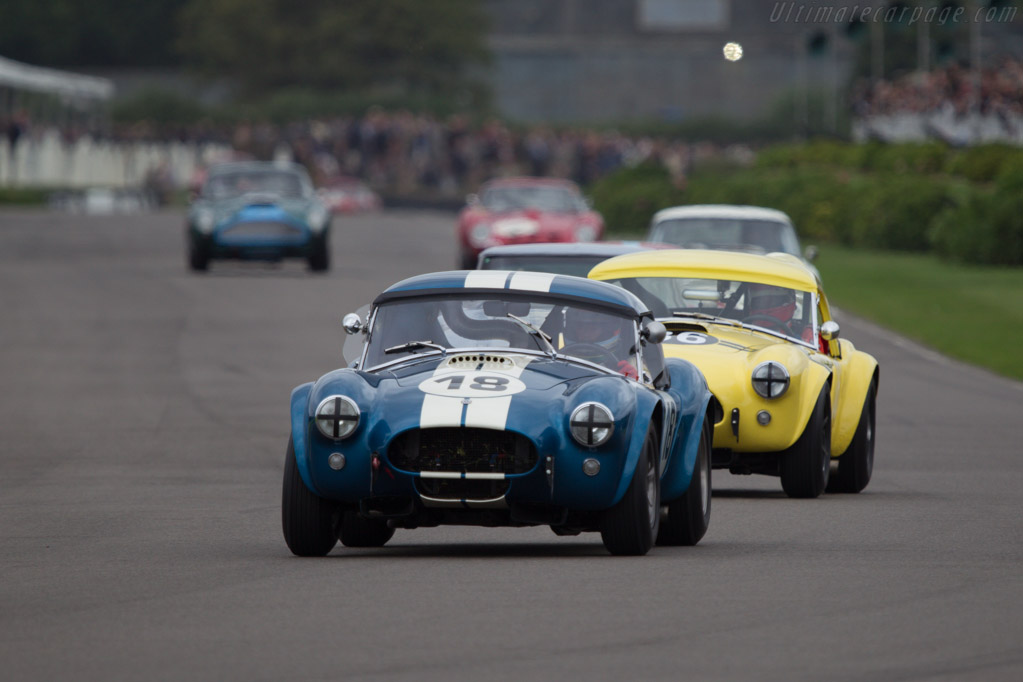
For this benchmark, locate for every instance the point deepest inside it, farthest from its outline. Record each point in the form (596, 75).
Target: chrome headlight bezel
(479, 234)
(595, 427)
(318, 217)
(205, 221)
(770, 380)
(337, 417)
(584, 232)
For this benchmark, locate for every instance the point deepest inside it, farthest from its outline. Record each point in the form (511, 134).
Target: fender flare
(299, 432)
(861, 371)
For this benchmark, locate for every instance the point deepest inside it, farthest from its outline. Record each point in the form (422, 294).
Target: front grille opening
(461, 489)
(466, 450)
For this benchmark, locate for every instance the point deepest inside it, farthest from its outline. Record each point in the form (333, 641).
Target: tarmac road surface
(143, 421)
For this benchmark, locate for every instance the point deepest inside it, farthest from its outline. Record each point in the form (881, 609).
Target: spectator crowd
(948, 95)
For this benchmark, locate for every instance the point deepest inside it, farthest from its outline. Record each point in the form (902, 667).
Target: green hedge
(628, 198)
(24, 195)
(966, 205)
(986, 227)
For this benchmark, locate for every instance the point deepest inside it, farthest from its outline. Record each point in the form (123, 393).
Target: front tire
(629, 527)
(805, 466)
(856, 464)
(308, 519)
(356, 531)
(689, 516)
(198, 258)
(319, 258)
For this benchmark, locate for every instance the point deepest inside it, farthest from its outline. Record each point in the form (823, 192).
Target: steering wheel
(589, 351)
(772, 322)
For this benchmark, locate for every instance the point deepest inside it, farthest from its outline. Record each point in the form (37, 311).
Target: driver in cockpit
(601, 338)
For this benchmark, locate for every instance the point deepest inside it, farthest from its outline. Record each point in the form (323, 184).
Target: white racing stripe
(532, 281)
(485, 413)
(486, 279)
(440, 411)
(489, 413)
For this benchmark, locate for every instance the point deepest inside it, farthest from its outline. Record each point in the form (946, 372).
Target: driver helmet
(588, 326)
(778, 302)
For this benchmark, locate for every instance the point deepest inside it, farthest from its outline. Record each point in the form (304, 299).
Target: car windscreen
(741, 234)
(775, 308)
(228, 185)
(578, 266)
(591, 333)
(554, 199)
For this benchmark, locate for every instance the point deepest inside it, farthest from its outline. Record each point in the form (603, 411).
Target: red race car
(523, 211)
(347, 194)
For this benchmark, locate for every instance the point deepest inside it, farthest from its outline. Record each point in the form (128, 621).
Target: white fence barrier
(945, 125)
(45, 159)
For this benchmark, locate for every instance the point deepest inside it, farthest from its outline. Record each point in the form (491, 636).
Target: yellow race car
(794, 396)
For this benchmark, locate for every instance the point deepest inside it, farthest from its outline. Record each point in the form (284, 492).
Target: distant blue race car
(500, 398)
(258, 210)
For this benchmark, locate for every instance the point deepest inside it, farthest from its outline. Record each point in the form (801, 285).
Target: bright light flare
(732, 51)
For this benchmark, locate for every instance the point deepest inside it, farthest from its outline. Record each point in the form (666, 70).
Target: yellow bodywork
(728, 360)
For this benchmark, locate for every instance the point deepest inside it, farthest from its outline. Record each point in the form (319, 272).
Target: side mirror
(810, 253)
(654, 332)
(352, 323)
(830, 330)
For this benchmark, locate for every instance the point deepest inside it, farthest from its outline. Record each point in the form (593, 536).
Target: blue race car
(499, 398)
(258, 211)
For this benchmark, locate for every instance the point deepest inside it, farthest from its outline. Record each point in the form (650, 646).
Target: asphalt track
(143, 421)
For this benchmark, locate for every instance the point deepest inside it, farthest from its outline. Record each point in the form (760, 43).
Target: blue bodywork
(392, 402)
(260, 225)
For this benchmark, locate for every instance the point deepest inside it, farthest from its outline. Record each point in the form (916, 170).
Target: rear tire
(356, 531)
(308, 519)
(856, 464)
(689, 516)
(805, 466)
(629, 527)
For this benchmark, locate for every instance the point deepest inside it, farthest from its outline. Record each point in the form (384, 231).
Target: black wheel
(198, 259)
(629, 527)
(355, 531)
(308, 519)
(689, 516)
(319, 258)
(805, 466)
(856, 464)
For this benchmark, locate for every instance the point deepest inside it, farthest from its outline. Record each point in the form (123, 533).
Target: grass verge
(973, 313)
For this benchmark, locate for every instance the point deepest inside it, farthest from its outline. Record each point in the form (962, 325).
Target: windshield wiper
(414, 345)
(711, 318)
(730, 322)
(537, 334)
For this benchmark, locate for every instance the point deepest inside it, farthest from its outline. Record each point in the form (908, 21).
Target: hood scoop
(491, 362)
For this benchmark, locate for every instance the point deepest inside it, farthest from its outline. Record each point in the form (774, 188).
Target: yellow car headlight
(770, 379)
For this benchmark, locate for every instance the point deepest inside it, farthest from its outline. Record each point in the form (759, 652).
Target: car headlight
(591, 424)
(337, 416)
(317, 218)
(204, 220)
(585, 233)
(770, 379)
(479, 235)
